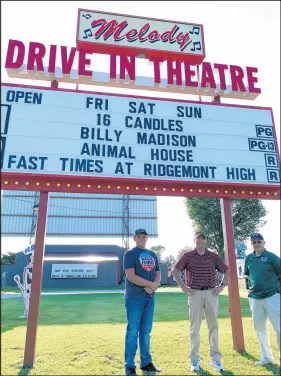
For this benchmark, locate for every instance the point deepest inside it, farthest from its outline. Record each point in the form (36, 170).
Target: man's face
(200, 241)
(141, 240)
(258, 245)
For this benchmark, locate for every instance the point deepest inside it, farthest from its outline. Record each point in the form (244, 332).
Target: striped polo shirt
(201, 271)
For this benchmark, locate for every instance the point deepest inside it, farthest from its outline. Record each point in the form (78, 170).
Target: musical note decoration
(195, 30)
(88, 33)
(196, 46)
(87, 16)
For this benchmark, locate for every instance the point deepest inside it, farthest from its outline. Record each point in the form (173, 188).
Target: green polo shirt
(262, 272)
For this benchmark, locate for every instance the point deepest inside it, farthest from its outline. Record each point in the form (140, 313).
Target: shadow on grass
(202, 371)
(273, 368)
(103, 308)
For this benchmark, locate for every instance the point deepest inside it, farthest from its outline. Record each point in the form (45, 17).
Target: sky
(241, 33)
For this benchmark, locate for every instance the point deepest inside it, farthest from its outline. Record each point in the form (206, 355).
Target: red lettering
(207, 76)
(142, 31)
(183, 40)
(52, 59)
(188, 74)
(132, 35)
(156, 62)
(35, 56)
(237, 74)
(153, 36)
(108, 28)
(112, 72)
(127, 65)
(168, 35)
(67, 62)
(83, 61)
(10, 63)
(252, 80)
(174, 72)
(221, 68)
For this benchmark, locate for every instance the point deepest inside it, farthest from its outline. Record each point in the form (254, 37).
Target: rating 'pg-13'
(256, 144)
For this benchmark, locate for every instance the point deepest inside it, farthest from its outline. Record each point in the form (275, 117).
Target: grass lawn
(84, 335)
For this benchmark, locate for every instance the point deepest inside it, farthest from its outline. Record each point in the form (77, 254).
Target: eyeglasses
(256, 242)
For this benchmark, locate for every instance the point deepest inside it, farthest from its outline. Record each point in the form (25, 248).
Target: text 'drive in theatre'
(95, 134)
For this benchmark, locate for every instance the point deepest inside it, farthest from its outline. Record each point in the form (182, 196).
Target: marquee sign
(115, 143)
(74, 271)
(110, 32)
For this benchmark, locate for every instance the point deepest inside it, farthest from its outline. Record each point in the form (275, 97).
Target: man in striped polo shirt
(201, 266)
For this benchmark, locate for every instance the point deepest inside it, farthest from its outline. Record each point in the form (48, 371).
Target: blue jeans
(140, 318)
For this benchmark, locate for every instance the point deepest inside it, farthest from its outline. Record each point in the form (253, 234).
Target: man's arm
(157, 277)
(157, 280)
(226, 277)
(276, 263)
(186, 289)
(246, 273)
(222, 268)
(132, 277)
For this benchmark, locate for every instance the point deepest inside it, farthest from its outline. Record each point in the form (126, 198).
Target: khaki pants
(261, 310)
(199, 302)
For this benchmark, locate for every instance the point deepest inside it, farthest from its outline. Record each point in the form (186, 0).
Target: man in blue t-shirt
(142, 280)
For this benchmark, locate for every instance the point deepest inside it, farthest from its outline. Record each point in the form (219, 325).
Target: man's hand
(148, 290)
(153, 286)
(216, 290)
(188, 290)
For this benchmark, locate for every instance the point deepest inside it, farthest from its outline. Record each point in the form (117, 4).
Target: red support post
(233, 289)
(33, 314)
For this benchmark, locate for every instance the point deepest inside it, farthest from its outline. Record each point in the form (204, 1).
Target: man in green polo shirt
(263, 270)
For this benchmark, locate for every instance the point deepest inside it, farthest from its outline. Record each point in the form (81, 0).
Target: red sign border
(107, 48)
(113, 185)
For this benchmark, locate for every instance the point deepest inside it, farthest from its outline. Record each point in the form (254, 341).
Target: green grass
(84, 335)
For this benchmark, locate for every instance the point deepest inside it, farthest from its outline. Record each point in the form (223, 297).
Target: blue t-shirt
(145, 263)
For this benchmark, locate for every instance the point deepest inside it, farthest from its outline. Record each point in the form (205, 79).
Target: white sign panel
(96, 29)
(63, 132)
(74, 271)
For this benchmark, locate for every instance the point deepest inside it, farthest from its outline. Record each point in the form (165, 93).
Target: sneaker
(217, 365)
(195, 365)
(130, 371)
(151, 368)
(264, 362)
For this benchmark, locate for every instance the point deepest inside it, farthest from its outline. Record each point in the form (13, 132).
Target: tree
(158, 250)
(9, 258)
(187, 248)
(205, 214)
(169, 260)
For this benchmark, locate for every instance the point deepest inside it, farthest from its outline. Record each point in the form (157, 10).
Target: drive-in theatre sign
(55, 139)
(74, 141)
